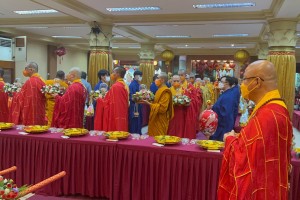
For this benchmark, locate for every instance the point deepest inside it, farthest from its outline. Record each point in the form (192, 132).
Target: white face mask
(107, 78)
(221, 85)
(140, 78)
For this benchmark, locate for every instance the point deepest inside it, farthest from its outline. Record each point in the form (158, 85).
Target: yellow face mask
(245, 91)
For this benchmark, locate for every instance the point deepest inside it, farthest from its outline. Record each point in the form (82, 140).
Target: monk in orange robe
(4, 113)
(69, 108)
(161, 110)
(112, 111)
(31, 101)
(256, 162)
(59, 80)
(177, 124)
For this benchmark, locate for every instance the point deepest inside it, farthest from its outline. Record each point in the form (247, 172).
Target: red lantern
(232, 65)
(208, 122)
(61, 51)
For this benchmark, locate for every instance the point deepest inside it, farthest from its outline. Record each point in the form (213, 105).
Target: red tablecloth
(296, 119)
(128, 169)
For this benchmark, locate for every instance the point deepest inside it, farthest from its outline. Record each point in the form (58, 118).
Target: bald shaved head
(261, 77)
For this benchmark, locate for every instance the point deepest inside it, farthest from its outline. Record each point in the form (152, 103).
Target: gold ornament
(241, 56)
(167, 56)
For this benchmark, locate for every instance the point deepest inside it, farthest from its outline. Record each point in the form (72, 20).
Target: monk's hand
(54, 95)
(231, 133)
(145, 102)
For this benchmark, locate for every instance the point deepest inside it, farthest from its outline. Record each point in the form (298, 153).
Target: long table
(127, 169)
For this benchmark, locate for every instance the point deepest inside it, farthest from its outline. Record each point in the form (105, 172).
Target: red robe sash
(256, 163)
(69, 108)
(112, 111)
(31, 103)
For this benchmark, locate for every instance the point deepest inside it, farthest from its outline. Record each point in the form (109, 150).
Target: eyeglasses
(252, 77)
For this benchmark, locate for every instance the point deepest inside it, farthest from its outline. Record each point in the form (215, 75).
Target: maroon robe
(31, 103)
(69, 108)
(112, 111)
(4, 114)
(192, 112)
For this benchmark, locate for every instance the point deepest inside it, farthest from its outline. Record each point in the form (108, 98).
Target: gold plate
(167, 139)
(211, 144)
(117, 135)
(4, 125)
(35, 129)
(73, 132)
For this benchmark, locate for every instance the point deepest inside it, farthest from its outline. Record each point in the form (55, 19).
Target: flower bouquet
(11, 88)
(103, 88)
(181, 100)
(9, 190)
(53, 89)
(143, 95)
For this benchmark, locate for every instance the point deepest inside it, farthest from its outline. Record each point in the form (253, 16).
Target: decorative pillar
(147, 56)
(282, 41)
(100, 53)
(262, 51)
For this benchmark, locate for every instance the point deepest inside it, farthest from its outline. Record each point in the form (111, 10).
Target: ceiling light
(115, 47)
(134, 47)
(229, 47)
(298, 47)
(232, 45)
(230, 35)
(298, 34)
(33, 27)
(172, 36)
(65, 36)
(224, 5)
(35, 12)
(188, 47)
(118, 36)
(132, 9)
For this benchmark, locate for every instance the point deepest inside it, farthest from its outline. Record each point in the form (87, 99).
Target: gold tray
(211, 144)
(167, 139)
(4, 125)
(73, 132)
(35, 129)
(297, 150)
(116, 134)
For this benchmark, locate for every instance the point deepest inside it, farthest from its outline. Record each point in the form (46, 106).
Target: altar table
(127, 169)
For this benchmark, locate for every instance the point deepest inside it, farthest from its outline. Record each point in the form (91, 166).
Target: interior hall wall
(36, 52)
(73, 58)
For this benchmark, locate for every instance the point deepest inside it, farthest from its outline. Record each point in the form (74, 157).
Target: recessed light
(172, 36)
(188, 47)
(224, 5)
(65, 36)
(230, 35)
(230, 47)
(33, 27)
(132, 9)
(35, 12)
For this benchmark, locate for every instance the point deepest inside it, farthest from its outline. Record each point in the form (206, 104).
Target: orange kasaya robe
(31, 103)
(112, 111)
(256, 164)
(192, 111)
(69, 108)
(161, 112)
(50, 99)
(4, 112)
(177, 124)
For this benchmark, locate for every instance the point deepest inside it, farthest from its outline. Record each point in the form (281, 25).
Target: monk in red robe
(4, 113)
(256, 162)
(69, 108)
(177, 124)
(31, 101)
(112, 111)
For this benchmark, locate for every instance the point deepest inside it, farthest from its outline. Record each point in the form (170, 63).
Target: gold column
(147, 56)
(282, 41)
(100, 54)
